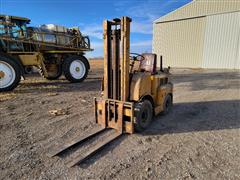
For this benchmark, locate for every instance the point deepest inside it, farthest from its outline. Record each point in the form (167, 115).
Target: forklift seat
(149, 63)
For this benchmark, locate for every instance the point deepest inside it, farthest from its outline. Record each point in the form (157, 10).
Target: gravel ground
(199, 139)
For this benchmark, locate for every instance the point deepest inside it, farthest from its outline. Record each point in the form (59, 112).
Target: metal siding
(201, 8)
(180, 42)
(238, 48)
(221, 45)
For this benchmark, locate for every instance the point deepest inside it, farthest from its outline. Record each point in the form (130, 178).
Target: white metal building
(201, 34)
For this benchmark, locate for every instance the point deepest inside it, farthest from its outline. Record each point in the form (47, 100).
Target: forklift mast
(116, 58)
(114, 110)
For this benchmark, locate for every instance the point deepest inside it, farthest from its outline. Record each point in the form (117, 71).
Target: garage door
(222, 41)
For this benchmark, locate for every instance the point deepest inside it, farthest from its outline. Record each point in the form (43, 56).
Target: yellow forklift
(133, 91)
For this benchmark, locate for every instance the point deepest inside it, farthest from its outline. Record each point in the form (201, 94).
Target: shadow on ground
(197, 116)
(209, 81)
(106, 149)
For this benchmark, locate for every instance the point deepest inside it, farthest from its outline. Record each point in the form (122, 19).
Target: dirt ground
(199, 139)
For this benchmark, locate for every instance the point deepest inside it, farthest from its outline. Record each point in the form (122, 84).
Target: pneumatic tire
(53, 73)
(144, 114)
(10, 74)
(75, 68)
(167, 104)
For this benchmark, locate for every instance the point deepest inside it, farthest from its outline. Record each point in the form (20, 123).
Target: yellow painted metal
(140, 85)
(156, 86)
(106, 39)
(155, 83)
(162, 92)
(119, 114)
(158, 81)
(29, 59)
(111, 113)
(126, 111)
(42, 64)
(125, 36)
(44, 44)
(35, 59)
(64, 52)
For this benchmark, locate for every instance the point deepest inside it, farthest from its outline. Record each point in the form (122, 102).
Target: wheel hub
(77, 69)
(2, 74)
(7, 74)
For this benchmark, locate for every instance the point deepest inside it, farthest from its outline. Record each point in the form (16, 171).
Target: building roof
(198, 8)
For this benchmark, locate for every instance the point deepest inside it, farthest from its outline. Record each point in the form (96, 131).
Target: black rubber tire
(57, 75)
(167, 104)
(17, 70)
(143, 115)
(66, 68)
(28, 69)
(51, 77)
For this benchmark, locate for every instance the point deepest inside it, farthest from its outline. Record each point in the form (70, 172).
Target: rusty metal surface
(125, 44)
(58, 147)
(115, 114)
(116, 63)
(80, 157)
(106, 57)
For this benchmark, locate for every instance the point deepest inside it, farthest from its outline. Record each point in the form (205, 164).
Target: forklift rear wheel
(167, 105)
(10, 74)
(75, 68)
(143, 114)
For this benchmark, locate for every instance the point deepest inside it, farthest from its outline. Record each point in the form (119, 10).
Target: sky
(89, 16)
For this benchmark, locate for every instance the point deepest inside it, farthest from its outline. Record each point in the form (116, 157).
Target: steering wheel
(136, 57)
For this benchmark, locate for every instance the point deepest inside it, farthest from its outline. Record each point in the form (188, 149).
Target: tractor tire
(144, 114)
(167, 104)
(28, 69)
(10, 74)
(53, 73)
(75, 68)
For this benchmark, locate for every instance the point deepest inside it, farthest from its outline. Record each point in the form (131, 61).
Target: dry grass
(7, 96)
(96, 63)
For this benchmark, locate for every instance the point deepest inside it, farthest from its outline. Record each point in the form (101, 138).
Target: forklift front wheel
(143, 114)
